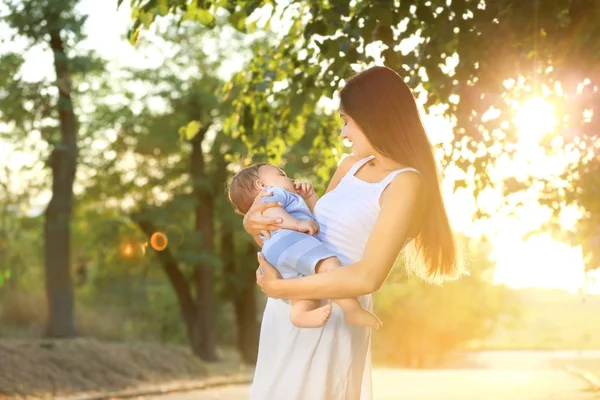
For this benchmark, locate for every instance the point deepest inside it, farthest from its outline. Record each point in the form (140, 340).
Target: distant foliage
(424, 323)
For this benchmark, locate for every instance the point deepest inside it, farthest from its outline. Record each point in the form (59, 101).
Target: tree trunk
(240, 290)
(57, 234)
(178, 281)
(205, 344)
(245, 310)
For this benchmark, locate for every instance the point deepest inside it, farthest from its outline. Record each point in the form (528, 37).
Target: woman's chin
(358, 153)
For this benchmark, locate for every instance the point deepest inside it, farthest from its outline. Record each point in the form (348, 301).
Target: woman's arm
(399, 207)
(254, 221)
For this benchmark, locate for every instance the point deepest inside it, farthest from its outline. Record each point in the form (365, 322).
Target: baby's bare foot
(313, 318)
(362, 317)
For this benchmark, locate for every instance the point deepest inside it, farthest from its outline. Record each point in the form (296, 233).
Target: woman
(379, 199)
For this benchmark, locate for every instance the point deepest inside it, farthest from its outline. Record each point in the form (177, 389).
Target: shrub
(423, 322)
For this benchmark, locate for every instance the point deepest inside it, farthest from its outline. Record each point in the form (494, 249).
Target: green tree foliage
(187, 164)
(537, 44)
(168, 123)
(423, 323)
(154, 158)
(169, 193)
(48, 108)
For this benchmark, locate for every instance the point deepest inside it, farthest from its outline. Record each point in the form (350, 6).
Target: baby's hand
(305, 190)
(308, 226)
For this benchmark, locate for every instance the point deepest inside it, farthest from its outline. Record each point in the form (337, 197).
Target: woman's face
(351, 132)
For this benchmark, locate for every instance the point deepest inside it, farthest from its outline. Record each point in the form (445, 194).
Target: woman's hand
(255, 223)
(266, 277)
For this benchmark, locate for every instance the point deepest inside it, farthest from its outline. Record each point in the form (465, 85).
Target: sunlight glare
(534, 119)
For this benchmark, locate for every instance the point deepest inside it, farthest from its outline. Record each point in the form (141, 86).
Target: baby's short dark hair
(242, 188)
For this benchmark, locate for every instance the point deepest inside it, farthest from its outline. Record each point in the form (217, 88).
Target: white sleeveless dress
(332, 362)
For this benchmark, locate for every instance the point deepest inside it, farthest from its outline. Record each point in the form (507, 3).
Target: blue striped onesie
(293, 253)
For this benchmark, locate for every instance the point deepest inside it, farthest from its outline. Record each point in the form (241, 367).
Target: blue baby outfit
(293, 253)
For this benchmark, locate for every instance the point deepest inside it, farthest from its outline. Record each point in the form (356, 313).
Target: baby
(292, 249)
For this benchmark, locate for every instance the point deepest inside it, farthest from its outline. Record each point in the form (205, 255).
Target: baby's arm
(285, 198)
(311, 201)
(307, 192)
(290, 222)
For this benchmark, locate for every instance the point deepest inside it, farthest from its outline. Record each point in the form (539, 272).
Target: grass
(51, 368)
(550, 320)
(105, 358)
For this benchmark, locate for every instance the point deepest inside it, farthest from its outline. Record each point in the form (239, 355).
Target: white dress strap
(359, 164)
(388, 179)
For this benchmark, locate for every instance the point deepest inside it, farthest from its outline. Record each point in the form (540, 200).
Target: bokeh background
(120, 125)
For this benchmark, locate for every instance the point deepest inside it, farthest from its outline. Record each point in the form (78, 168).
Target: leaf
(189, 131)
(163, 7)
(146, 18)
(383, 14)
(192, 9)
(296, 105)
(318, 27)
(238, 20)
(205, 18)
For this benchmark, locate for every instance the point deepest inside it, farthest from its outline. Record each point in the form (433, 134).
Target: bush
(24, 314)
(423, 323)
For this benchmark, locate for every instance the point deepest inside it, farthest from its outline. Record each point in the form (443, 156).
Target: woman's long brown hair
(384, 108)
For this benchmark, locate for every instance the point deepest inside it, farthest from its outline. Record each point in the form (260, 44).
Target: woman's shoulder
(342, 169)
(347, 163)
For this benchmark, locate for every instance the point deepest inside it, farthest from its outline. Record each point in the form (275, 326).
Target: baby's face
(270, 175)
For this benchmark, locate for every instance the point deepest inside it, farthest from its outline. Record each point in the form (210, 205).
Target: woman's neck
(384, 163)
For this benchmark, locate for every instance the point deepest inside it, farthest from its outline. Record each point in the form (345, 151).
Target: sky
(539, 262)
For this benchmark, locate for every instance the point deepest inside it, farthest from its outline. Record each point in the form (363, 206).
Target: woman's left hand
(266, 275)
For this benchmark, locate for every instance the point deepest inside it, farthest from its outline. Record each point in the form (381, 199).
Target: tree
(48, 107)
(462, 55)
(18, 233)
(190, 269)
(182, 164)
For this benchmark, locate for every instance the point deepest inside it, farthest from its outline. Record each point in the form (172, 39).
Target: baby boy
(293, 249)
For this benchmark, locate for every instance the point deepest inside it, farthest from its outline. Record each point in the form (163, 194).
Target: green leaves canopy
(549, 48)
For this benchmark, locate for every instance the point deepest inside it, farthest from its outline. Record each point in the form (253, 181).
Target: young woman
(384, 196)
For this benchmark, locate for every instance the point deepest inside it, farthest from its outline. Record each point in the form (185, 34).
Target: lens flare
(128, 250)
(158, 241)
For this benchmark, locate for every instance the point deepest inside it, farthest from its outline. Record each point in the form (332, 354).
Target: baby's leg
(309, 313)
(354, 312)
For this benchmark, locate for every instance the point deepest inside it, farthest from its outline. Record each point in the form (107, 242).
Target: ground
(392, 384)
(493, 376)
(51, 368)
